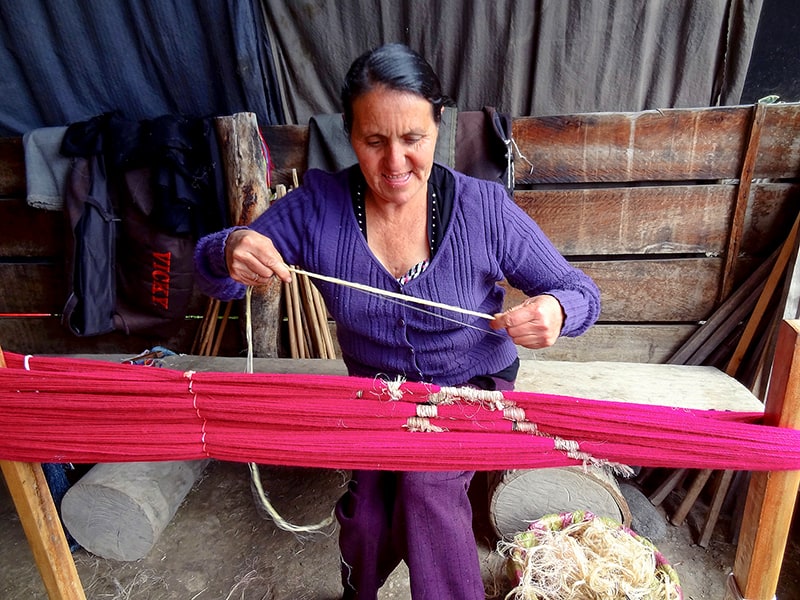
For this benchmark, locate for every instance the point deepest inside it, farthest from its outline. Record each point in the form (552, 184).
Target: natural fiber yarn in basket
(580, 556)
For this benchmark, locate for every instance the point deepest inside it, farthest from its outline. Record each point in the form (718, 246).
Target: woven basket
(665, 582)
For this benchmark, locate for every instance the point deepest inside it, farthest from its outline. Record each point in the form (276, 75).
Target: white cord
(255, 476)
(402, 297)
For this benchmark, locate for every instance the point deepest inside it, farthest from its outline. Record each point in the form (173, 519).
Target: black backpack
(138, 197)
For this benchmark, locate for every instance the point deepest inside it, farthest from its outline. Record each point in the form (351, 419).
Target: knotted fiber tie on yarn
(78, 410)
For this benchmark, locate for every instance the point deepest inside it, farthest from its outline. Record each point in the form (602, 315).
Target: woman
(399, 222)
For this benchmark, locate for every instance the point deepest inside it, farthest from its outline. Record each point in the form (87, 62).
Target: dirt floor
(219, 547)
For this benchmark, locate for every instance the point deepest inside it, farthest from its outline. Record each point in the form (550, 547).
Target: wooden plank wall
(651, 204)
(645, 203)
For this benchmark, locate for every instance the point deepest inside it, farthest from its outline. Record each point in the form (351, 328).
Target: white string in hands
(440, 316)
(400, 297)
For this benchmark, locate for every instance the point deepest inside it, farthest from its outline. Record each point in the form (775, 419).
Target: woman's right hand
(252, 258)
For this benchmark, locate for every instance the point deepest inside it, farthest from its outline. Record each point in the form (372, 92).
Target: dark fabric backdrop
(63, 61)
(775, 62)
(526, 57)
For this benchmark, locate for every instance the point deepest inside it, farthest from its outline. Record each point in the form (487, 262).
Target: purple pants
(424, 519)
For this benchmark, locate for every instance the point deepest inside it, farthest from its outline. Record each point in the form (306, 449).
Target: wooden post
(39, 517)
(246, 177)
(771, 495)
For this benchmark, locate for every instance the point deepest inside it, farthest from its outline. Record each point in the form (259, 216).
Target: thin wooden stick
(202, 328)
(209, 326)
(718, 326)
(322, 314)
(305, 322)
(208, 336)
(301, 345)
(287, 296)
(766, 295)
(305, 315)
(226, 315)
(312, 316)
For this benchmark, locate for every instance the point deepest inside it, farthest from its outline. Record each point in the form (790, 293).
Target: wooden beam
(39, 517)
(686, 288)
(771, 495)
(742, 197)
(789, 248)
(622, 147)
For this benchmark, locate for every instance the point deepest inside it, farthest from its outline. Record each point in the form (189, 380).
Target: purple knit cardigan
(489, 238)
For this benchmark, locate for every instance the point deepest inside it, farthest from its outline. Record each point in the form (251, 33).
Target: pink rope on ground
(83, 411)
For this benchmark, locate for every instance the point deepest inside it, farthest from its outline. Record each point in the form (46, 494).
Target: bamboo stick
(298, 324)
(202, 328)
(322, 315)
(312, 316)
(305, 322)
(223, 323)
(208, 327)
(287, 299)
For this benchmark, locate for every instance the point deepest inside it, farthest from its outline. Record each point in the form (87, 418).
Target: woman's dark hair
(397, 67)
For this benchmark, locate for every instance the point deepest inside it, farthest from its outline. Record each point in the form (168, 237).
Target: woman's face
(394, 137)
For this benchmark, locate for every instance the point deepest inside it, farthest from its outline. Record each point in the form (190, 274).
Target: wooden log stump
(118, 510)
(518, 497)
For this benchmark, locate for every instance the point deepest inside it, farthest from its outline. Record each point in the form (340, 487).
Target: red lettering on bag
(160, 286)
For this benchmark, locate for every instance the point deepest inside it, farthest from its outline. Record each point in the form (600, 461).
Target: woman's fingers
(536, 323)
(252, 258)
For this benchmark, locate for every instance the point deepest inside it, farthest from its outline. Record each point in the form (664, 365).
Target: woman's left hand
(536, 323)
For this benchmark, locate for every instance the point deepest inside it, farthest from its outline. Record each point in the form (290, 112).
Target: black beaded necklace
(433, 213)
